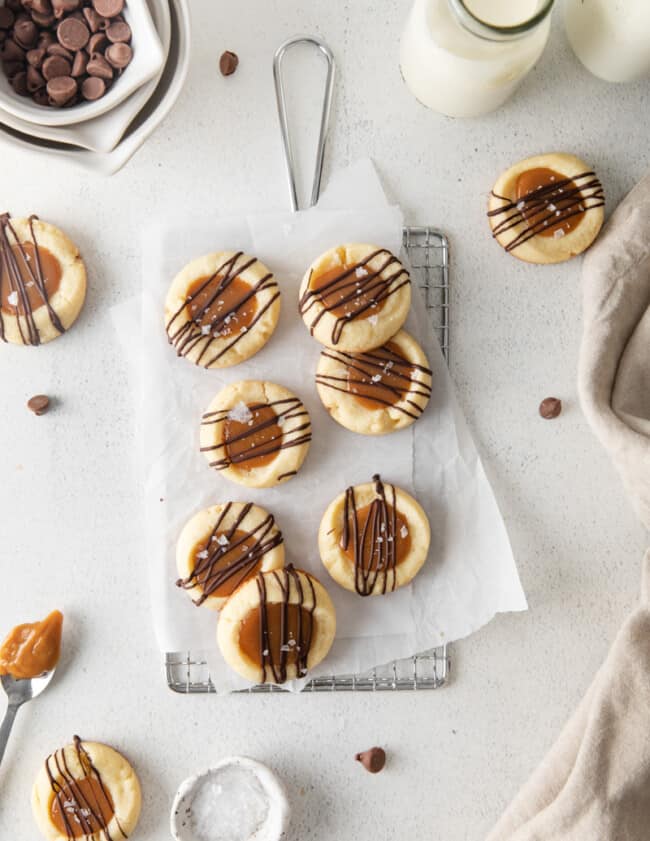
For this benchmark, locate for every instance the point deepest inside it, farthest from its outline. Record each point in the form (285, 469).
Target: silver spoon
(18, 693)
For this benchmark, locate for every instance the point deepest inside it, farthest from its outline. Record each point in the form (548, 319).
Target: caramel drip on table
(190, 334)
(297, 644)
(382, 377)
(82, 807)
(209, 575)
(288, 409)
(353, 293)
(374, 543)
(15, 266)
(549, 206)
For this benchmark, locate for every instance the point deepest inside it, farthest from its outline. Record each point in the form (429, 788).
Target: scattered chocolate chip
(97, 42)
(35, 57)
(63, 7)
(550, 407)
(12, 52)
(11, 68)
(98, 66)
(39, 404)
(44, 40)
(119, 55)
(61, 89)
(79, 64)
(19, 83)
(56, 65)
(43, 20)
(228, 63)
(93, 88)
(41, 7)
(119, 32)
(60, 50)
(373, 760)
(7, 17)
(40, 97)
(92, 18)
(73, 34)
(25, 33)
(108, 8)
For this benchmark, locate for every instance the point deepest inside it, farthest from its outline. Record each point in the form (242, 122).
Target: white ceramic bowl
(230, 785)
(147, 60)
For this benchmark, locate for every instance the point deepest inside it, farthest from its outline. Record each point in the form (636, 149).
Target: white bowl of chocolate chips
(67, 61)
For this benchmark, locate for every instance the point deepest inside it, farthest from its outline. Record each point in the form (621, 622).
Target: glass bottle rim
(492, 32)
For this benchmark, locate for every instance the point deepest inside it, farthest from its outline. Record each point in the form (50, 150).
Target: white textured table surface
(70, 531)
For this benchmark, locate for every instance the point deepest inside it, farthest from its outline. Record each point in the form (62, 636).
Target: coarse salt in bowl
(238, 799)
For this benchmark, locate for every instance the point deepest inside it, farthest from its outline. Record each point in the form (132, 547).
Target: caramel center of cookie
(222, 308)
(549, 201)
(254, 442)
(224, 561)
(383, 536)
(382, 377)
(346, 292)
(24, 276)
(81, 807)
(279, 636)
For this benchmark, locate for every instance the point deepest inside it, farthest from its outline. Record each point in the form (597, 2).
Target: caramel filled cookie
(42, 281)
(374, 538)
(86, 791)
(277, 626)
(223, 546)
(221, 309)
(355, 297)
(257, 433)
(547, 209)
(378, 391)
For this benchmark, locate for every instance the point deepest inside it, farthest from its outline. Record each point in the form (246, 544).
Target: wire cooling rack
(187, 672)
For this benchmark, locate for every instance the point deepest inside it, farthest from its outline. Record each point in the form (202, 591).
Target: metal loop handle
(324, 120)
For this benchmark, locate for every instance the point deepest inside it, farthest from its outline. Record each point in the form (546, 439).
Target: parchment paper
(470, 574)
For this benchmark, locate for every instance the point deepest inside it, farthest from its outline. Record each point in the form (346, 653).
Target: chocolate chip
(35, 57)
(11, 68)
(550, 407)
(97, 42)
(45, 40)
(79, 64)
(7, 17)
(119, 32)
(41, 7)
(12, 52)
(73, 34)
(26, 33)
(373, 760)
(43, 20)
(98, 66)
(34, 80)
(61, 89)
(59, 49)
(228, 63)
(62, 7)
(56, 65)
(108, 8)
(39, 404)
(19, 83)
(119, 55)
(93, 88)
(92, 18)
(41, 97)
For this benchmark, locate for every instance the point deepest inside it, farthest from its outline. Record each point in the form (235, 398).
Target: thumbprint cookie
(42, 281)
(378, 391)
(256, 433)
(547, 209)
(374, 538)
(86, 791)
(277, 626)
(222, 546)
(221, 309)
(355, 297)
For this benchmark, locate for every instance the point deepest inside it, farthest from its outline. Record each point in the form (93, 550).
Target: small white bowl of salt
(238, 799)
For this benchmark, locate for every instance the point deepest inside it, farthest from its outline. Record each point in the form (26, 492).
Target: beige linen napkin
(594, 785)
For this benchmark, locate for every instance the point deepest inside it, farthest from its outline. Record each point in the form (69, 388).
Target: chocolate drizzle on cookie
(382, 377)
(230, 555)
(253, 444)
(20, 273)
(551, 209)
(373, 539)
(353, 292)
(198, 326)
(286, 629)
(81, 806)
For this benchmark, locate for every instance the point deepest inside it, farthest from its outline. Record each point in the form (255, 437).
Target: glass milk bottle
(610, 37)
(466, 57)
